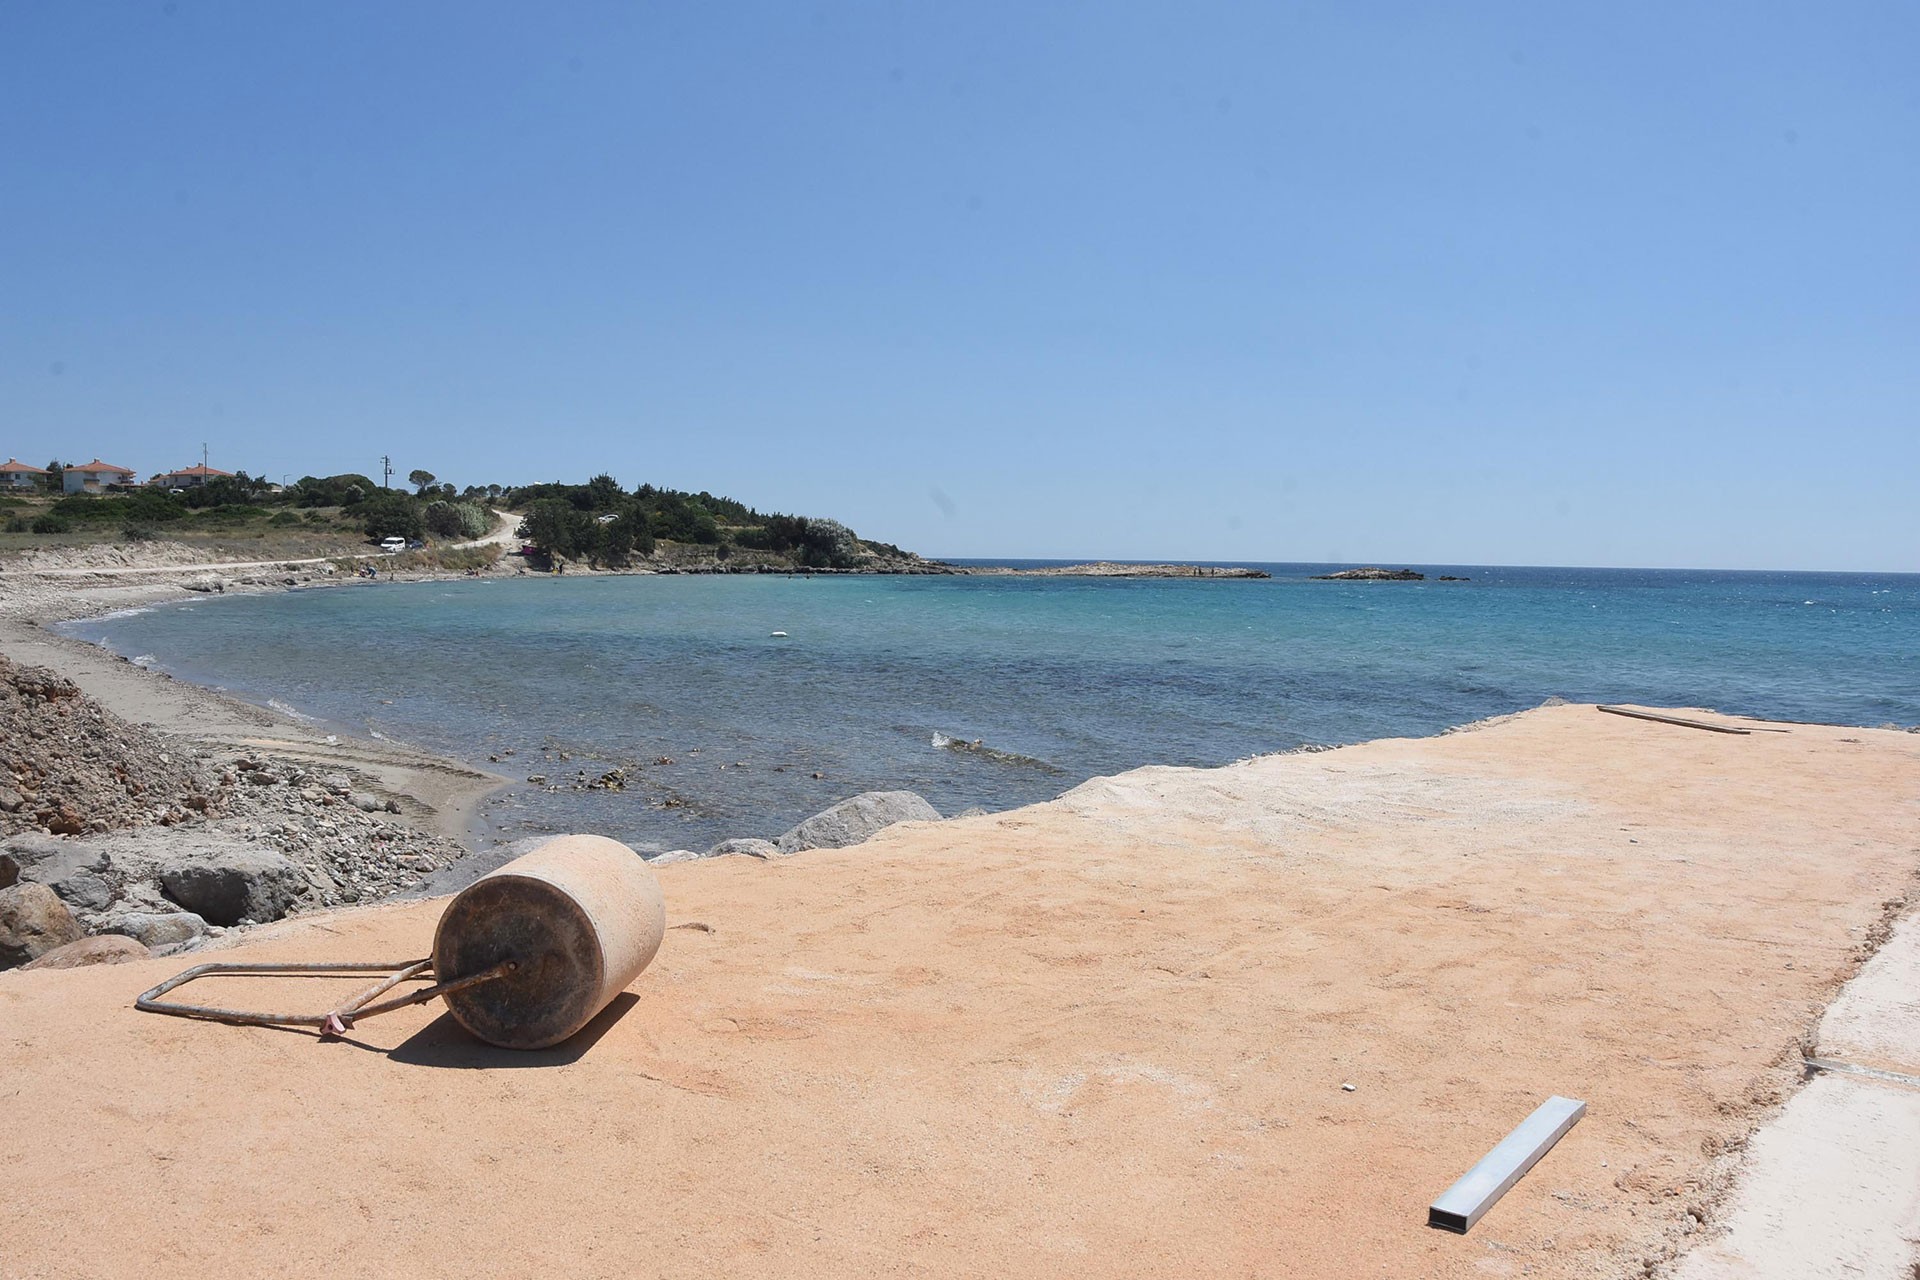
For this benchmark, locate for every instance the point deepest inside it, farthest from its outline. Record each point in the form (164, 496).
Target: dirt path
(1106, 1036)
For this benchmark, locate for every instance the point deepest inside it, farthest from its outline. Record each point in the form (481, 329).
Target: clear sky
(1620, 283)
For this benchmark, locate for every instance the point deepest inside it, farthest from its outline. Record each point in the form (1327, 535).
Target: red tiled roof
(13, 466)
(97, 465)
(197, 469)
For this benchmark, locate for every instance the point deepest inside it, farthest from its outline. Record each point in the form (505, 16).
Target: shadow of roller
(446, 1044)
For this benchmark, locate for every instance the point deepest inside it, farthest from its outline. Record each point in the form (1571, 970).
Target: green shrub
(281, 519)
(467, 520)
(52, 522)
(140, 533)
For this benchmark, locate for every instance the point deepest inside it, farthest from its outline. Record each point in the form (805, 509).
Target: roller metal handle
(337, 1019)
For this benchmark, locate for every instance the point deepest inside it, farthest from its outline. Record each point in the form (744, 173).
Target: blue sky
(1498, 283)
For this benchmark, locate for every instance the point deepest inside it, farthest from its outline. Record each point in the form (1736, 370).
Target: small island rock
(1372, 573)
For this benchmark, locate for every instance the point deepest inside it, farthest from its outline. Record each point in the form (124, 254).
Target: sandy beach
(1105, 1036)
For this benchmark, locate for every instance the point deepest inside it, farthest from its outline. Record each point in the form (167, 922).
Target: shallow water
(882, 682)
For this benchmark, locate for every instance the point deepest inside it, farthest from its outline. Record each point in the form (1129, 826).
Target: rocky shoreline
(143, 815)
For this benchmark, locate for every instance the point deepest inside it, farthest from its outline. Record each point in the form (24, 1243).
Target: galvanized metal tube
(1462, 1204)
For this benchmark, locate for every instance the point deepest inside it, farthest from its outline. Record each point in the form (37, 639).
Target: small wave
(286, 710)
(980, 748)
(143, 660)
(134, 612)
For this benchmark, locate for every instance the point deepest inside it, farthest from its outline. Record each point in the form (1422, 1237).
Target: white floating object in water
(776, 635)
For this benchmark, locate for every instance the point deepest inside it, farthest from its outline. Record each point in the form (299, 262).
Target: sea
(740, 705)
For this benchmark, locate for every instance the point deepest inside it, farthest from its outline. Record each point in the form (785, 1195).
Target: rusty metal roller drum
(578, 918)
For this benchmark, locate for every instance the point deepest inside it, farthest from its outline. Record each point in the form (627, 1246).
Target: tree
(56, 475)
(605, 492)
(621, 537)
(420, 480)
(335, 491)
(391, 515)
(558, 528)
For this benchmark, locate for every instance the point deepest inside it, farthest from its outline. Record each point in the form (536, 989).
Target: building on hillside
(192, 477)
(95, 477)
(16, 474)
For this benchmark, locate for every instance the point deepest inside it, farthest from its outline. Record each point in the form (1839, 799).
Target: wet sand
(1103, 1036)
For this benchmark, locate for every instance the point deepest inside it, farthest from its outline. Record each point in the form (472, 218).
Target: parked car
(392, 545)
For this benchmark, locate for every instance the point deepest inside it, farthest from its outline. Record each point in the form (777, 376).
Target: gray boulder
(674, 855)
(9, 870)
(856, 819)
(51, 859)
(84, 891)
(163, 931)
(745, 846)
(230, 882)
(33, 921)
(71, 868)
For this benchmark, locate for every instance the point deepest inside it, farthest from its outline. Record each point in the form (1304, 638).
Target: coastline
(436, 794)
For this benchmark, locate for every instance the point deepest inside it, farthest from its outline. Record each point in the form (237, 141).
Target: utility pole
(203, 459)
(386, 470)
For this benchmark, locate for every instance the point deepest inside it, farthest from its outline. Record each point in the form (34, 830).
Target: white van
(392, 545)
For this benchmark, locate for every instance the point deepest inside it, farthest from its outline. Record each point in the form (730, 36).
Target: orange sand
(1104, 1036)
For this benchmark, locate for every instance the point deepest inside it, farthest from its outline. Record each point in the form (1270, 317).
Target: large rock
(71, 868)
(9, 870)
(84, 891)
(33, 921)
(674, 855)
(857, 819)
(227, 883)
(105, 948)
(163, 931)
(745, 846)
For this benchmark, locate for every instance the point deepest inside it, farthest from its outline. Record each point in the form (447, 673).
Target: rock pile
(69, 767)
(111, 830)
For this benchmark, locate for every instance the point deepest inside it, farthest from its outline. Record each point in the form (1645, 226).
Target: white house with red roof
(189, 477)
(94, 477)
(15, 474)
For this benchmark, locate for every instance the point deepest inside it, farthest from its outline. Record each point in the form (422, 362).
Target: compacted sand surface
(1104, 1036)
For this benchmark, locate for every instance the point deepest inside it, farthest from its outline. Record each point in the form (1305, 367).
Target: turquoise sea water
(1062, 679)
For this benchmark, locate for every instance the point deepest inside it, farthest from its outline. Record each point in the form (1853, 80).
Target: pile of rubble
(70, 767)
(106, 829)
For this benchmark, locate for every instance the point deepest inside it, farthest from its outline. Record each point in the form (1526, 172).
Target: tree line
(598, 522)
